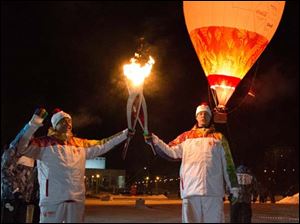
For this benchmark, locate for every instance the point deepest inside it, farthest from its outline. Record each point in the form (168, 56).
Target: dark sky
(70, 55)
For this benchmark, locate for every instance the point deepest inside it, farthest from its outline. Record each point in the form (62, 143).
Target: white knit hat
(58, 116)
(203, 107)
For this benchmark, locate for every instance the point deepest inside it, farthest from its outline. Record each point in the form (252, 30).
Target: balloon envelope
(228, 37)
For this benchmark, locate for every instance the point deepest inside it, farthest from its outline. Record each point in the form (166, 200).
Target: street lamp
(156, 184)
(97, 182)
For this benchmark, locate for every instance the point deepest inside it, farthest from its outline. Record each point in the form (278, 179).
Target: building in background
(98, 178)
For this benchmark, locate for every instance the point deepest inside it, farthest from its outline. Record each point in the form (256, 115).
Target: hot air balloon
(228, 37)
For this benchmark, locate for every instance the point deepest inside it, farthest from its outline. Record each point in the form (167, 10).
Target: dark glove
(234, 194)
(38, 117)
(41, 112)
(18, 195)
(232, 199)
(148, 138)
(130, 133)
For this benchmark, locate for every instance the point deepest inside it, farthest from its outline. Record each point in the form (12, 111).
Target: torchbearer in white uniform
(206, 162)
(61, 161)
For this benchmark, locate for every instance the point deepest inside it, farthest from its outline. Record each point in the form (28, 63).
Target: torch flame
(136, 72)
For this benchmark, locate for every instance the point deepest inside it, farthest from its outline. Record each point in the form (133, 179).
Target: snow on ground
(169, 211)
(160, 196)
(289, 200)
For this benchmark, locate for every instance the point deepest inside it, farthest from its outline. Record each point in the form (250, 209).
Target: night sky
(70, 55)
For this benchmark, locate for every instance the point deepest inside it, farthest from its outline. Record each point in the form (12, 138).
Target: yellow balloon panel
(227, 51)
(261, 17)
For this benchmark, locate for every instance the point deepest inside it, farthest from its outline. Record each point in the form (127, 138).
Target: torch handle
(143, 121)
(130, 102)
(143, 117)
(137, 109)
(134, 103)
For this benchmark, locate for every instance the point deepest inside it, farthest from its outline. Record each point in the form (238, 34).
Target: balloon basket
(220, 117)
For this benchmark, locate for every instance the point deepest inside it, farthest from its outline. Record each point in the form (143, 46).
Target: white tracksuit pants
(203, 209)
(67, 212)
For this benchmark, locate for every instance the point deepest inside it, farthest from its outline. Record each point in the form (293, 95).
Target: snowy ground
(290, 199)
(159, 209)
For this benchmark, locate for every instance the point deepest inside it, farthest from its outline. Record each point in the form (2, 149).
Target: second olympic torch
(136, 72)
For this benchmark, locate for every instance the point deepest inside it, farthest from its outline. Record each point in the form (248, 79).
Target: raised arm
(22, 141)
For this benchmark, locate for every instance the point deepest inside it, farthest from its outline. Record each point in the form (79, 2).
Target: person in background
(61, 161)
(206, 162)
(241, 212)
(19, 188)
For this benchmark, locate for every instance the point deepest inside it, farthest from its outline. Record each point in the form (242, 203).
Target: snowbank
(152, 197)
(289, 200)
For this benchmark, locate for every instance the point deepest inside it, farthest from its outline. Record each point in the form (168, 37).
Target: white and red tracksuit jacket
(61, 164)
(206, 162)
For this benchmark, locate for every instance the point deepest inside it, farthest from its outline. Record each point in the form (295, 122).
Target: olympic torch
(135, 74)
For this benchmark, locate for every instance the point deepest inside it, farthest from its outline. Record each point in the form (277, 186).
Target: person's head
(203, 115)
(61, 121)
(243, 169)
